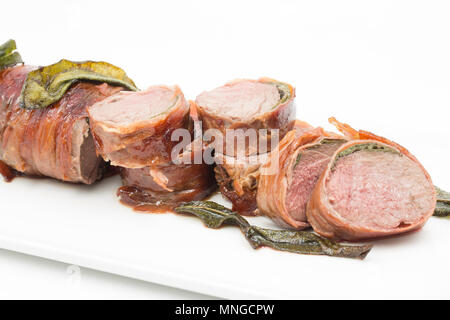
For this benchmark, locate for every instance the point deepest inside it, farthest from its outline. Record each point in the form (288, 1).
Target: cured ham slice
(299, 161)
(372, 187)
(53, 141)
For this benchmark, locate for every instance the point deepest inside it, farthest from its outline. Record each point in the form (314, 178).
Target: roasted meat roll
(247, 105)
(372, 187)
(134, 129)
(53, 141)
(299, 160)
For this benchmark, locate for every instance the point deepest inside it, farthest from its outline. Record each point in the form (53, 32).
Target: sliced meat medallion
(247, 105)
(134, 129)
(293, 169)
(54, 141)
(371, 189)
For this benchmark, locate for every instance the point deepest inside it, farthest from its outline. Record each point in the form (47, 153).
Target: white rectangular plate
(87, 226)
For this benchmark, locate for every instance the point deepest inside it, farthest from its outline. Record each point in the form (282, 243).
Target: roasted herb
(215, 216)
(297, 160)
(442, 203)
(47, 85)
(9, 58)
(285, 92)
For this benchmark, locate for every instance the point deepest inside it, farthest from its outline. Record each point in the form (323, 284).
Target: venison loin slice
(293, 169)
(134, 129)
(53, 141)
(371, 188)
(247, 104)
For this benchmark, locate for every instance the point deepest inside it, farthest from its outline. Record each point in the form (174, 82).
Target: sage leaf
(304, 242)
(442, 204)
(215, 216)
(8, 56)
(46, 85)
(212, 214)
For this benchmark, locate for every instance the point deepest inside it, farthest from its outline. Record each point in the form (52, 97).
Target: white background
(383, 66)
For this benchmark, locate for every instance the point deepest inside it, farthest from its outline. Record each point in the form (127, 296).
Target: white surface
(378, 65)
(27, 277)
(87, 226)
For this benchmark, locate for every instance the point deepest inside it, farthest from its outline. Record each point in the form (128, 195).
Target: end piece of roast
(54, 141)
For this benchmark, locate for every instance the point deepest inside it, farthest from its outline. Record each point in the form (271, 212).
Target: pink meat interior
(242, 100)
(306, 172)
(379, 190)
(127, 107)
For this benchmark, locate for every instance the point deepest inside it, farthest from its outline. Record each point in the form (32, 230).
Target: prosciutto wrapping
(372, 187)
(53, 141)
(299, 159)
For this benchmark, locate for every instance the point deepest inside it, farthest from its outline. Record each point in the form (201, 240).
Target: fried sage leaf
(46, 85)
(9, 58)
(215, 216)
(442, 203)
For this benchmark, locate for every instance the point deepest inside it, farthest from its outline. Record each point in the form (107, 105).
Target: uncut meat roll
(53, 141)
(299, 160)
(247, 104)
(134, 129)
(372, 187)
(238, 177)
